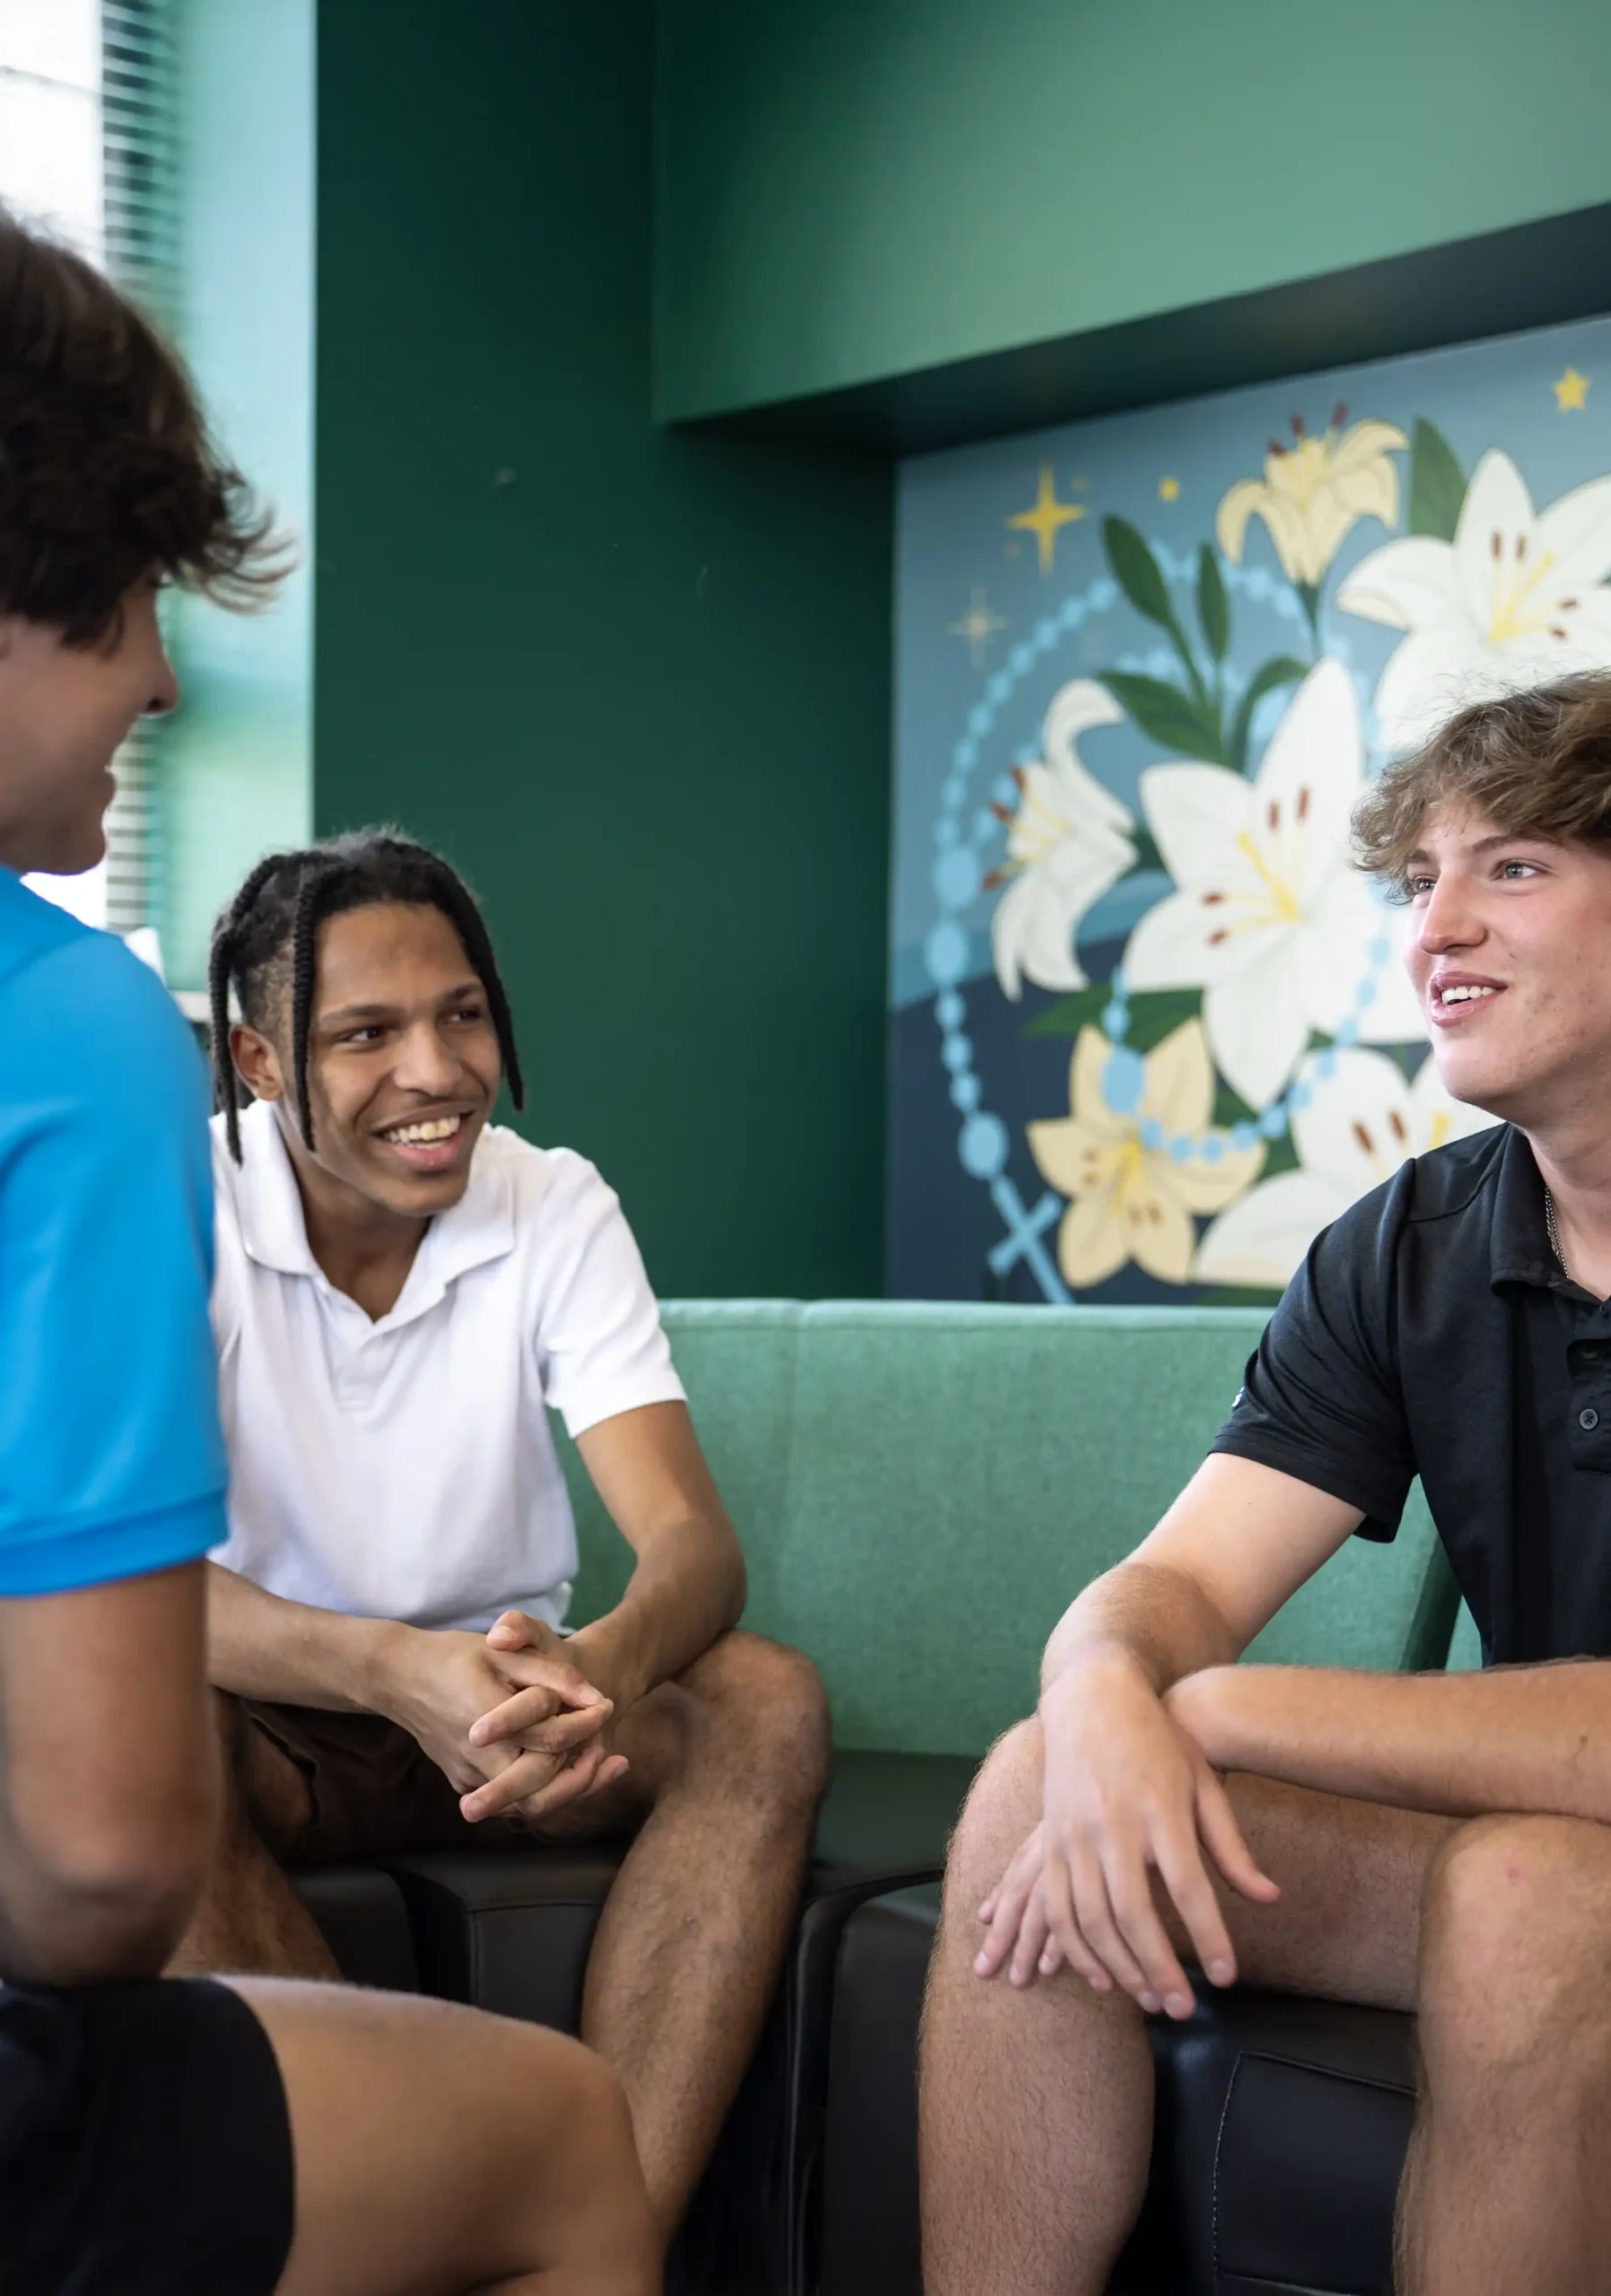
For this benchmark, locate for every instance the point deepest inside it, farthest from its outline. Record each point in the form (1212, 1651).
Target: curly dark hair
(106, 473)
(1534, 764)
(266, 942)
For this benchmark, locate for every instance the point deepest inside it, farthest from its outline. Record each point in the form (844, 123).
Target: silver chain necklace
(1552, 1231)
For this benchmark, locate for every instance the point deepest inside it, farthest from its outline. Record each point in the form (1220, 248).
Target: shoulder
(88, 1024)
(1435, 1193)
(548, 1186)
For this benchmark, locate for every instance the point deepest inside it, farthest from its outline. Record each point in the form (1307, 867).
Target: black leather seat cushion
(511, 1931)
(365, 1924)
(1281, 2131)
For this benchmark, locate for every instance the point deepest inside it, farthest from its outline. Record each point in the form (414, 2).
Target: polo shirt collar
(1518, 1239)
(480, 1227)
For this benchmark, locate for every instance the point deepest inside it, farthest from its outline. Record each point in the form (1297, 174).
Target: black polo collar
(1519, 1238)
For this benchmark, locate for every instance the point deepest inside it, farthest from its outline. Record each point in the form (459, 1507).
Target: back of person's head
(1533, 764)
(107, 476)
(264, 946)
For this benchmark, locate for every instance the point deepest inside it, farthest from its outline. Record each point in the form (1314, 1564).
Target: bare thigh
(439, 2149)
(1347, 1925)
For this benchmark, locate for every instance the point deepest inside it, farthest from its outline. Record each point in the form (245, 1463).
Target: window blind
(139, 87)
(89, 151)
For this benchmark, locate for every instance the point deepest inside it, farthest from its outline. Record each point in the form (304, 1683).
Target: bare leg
(439, 2150)
(250, 1917)
(1037, 2106)
(1506, 2185)
(731, 1761)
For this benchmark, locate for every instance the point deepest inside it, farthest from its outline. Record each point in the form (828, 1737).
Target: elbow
(738, 1592)
(734, 1580)
(116, 1891)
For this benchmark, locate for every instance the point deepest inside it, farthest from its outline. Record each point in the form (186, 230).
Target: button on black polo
(1588, 1419)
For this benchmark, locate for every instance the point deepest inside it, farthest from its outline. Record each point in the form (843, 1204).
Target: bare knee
(762, 1706)
(1514, 1951)
(1001, 1809)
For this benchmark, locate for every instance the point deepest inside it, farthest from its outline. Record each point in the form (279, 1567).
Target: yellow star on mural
(1047, 517)
(1570, 390)
(1169, 490)
(979, 625)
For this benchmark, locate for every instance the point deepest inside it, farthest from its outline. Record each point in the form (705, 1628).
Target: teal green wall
(859, 188)
(236, 770)
(636, 684)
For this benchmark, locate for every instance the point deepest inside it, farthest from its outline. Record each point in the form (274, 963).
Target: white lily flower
(1068, 842)
(1513, 601)
(1312, 493)
(1271, 919)
(1360, 1124)
(1127, 1200)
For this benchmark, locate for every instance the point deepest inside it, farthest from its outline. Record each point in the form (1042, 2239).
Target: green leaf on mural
(1170, 718)
(1437, 484)
(1214, 607)
(1136, 572)
(1152, 1015)
(1281, 669)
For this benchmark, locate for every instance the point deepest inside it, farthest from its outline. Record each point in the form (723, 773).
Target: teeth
(1464, 995)
(413, 1135)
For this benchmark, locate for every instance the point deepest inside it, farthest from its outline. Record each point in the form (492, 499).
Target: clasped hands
(1131, 1791)
(507, 1716)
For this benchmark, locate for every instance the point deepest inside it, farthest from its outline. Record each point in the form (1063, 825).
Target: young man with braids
(404, 1290)
(1439, 1842)
(165, 2138)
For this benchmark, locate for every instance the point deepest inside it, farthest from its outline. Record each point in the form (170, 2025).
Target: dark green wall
(859, 188)
(636, 684)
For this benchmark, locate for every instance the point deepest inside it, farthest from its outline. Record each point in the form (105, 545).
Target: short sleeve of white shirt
(600, 1347)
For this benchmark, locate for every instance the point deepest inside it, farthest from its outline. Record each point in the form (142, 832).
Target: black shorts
(144, 2144)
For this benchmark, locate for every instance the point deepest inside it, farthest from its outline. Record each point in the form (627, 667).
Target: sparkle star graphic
(979, 625)
(1570, 391)
(1047, 517)
(1169, 490)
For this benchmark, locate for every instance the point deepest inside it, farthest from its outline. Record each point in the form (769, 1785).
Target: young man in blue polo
(162, 2137)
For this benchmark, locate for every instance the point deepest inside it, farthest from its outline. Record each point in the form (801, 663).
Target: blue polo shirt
(111, 1461)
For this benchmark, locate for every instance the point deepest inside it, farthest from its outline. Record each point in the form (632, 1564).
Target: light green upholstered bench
(920, 1488)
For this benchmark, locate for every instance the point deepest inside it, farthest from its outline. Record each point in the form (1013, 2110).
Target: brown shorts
(371, 1792)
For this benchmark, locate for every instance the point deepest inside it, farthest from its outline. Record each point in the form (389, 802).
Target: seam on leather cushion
(1292, 2063)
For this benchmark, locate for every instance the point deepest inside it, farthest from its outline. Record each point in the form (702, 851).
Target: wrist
(387, 1671)
(1204, 1705)
(598, 1657)
(1093, 1668)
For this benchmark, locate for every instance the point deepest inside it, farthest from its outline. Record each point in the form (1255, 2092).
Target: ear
(256, 1063)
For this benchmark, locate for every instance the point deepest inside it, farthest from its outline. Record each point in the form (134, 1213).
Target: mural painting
(1150, 1031)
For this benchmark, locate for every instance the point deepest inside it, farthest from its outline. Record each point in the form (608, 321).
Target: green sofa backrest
(922, 1487)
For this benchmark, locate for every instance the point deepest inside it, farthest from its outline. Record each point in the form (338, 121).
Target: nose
(165, 692)
(1448, 920)
(425, 1065)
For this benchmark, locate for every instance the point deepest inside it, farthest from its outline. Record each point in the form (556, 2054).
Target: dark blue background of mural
(954, 542)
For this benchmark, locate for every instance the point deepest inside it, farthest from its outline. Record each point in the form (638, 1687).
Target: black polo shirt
(1431, 1332)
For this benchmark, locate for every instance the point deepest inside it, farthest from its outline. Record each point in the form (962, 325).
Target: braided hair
(270, 931)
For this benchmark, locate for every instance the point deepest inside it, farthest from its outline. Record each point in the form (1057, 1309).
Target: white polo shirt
(405, 1469)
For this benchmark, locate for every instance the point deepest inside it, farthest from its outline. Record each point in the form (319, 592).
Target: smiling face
(64, 710)
(1510, 953)
(403, 1065)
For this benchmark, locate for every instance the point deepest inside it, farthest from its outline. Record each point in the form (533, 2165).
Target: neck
(1574, 1161)
(365, 1248)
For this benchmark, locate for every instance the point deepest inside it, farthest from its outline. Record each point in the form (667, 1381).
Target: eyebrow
(383, 1011)
(1487, 844)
